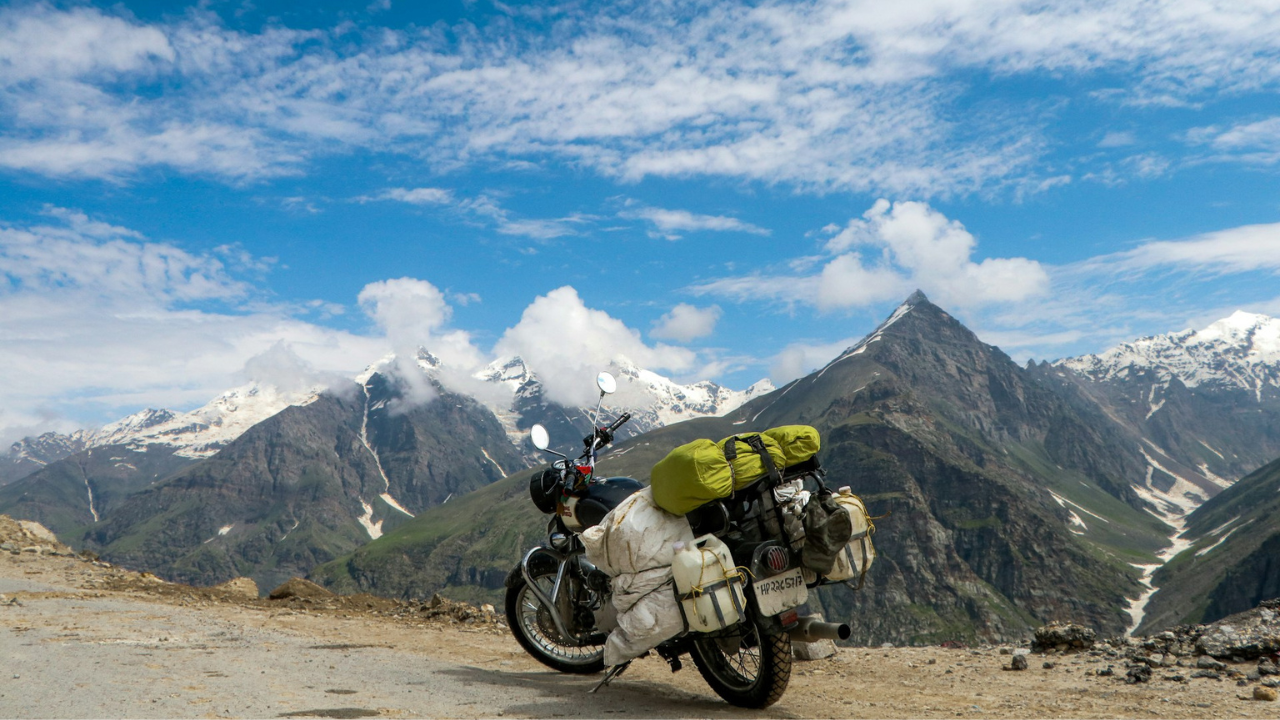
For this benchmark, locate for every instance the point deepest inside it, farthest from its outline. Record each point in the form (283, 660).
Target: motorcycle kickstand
(614, 672)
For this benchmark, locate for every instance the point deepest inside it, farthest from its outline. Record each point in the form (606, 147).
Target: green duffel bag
(798, 442)
(697, 473)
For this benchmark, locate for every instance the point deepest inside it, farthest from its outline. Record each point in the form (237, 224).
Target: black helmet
(544, 488)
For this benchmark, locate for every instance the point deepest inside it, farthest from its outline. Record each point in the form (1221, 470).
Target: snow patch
(1220, 541)
(92, 510)
(488, 457)
(1210, 448)
(225, 529)
(373, 528)
(386, 497)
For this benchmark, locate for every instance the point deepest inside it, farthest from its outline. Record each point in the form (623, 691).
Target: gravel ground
(82, 640)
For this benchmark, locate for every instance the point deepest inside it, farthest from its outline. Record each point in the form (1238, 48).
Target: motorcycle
(558, 604)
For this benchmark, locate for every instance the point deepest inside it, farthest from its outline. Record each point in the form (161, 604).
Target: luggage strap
(756, 444)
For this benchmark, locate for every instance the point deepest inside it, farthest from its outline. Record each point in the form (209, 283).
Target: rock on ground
(299, 588)
(1063, 637)
(241, 587)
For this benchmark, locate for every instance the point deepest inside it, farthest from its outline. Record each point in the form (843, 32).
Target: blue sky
(723, 190)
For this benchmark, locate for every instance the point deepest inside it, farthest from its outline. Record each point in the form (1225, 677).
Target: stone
(1019, 662)
(1107, 671)
(1138, 674)
(241, 587)
(1266, 667)
(1209, 674)
(1265, 694)
(1204, 662)
(1154, 661)
(1048, 665)
(299, 588)
(806, 651)
(1063, 637)
(487, 608)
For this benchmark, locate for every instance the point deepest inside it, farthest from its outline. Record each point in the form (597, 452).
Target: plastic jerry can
(708, 584)
(859, 553)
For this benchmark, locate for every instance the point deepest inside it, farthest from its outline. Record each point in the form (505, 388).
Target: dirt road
(74, 647)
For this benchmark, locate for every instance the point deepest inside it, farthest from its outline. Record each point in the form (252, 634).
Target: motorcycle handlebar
(618, 423)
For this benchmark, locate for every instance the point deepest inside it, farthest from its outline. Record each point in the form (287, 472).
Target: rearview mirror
(606, 382)
(538, 435)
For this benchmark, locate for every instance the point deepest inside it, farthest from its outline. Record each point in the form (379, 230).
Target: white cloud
(415, 196)
(823, 95)
(1117, 139)
(1255, 143)
(917, 247)
(97, 321)
(686, 322)
(568, 343)
(669, 223)
(1234, 250)
(798, 359)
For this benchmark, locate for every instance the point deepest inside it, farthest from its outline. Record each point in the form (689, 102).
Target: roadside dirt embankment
(83, 639)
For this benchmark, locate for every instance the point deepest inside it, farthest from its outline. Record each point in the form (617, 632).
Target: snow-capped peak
(201, 432)
(1240, 351)
(652, 399)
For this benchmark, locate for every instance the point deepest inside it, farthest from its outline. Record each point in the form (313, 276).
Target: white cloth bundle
(633, 545)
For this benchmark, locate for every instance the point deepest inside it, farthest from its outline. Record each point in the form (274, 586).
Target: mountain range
(269, 484)
(1015, 494)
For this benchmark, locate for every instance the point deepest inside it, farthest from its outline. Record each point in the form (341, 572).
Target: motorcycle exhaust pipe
(811, 630)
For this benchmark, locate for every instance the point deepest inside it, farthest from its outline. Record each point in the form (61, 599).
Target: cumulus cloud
(281, 367)
(567, 343)
(915, 246)
(823, 95)
(670, 223)
(686, 322)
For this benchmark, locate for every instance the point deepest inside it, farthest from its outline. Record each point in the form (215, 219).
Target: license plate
(780, 592)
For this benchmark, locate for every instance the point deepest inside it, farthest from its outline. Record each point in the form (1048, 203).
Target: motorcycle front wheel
(744, 666)
(531, 623)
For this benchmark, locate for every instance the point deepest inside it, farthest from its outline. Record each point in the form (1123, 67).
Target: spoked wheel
(536, 632)
(744, 666)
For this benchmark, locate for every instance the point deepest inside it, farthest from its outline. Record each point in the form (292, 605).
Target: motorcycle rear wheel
(755, 675)
(534, 630)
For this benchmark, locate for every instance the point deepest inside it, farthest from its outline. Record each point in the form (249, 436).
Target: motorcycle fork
(559, 604)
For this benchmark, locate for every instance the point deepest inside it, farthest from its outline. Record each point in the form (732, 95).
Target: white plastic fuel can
(857, 556)
(708, 584)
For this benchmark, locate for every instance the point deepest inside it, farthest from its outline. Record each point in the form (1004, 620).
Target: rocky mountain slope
(311, 482)
(80, 483)
(76, 479)
(30, 454)
(1009, 504)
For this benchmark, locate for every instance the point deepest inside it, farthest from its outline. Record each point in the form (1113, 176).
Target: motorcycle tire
(537, 634)
(728, 675)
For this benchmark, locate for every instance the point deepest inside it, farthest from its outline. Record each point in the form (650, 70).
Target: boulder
(299, 588)
(243, 587)
(1063, 637)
